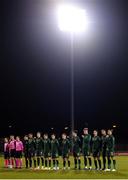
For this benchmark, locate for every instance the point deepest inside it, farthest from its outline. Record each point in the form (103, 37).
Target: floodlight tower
(71, 19)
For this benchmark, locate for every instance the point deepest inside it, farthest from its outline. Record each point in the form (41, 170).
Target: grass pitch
(121, 173)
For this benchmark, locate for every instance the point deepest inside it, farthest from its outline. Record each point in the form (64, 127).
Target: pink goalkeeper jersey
(19, 146)
(12, 145)
(6, 147)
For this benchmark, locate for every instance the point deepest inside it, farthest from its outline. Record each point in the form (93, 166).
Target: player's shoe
(42, 167)
(10, 166)
(57, 168)
(54, 168)
(85, 168)
(46, 168)
(107, 169)
(37, 168)
(64, 168)
(49, 168)
(113, 170)
(90, 168)
(68, 168)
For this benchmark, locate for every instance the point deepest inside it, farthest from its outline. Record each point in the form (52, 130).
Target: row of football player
(43, 152)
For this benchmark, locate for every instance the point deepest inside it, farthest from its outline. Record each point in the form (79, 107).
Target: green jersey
(39, 144)
(86, 142)
(54, 146)
(47, 146)
(110, 144)
(66, 145)
(31, 145)
(96, 143)
(25, 143)
(103, 142)
(76, 144)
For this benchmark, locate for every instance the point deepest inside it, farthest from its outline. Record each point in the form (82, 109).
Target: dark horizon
(35, 86)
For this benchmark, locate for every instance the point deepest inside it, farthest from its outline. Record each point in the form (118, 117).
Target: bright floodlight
(71, 18)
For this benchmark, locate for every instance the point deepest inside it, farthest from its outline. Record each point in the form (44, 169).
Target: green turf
(122, 172)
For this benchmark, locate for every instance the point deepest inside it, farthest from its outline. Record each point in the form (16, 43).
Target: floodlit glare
(71, 18)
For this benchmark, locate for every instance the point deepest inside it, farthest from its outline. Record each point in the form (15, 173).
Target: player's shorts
(18, 154)
(31, 154)
(110, 153)
(86, 153)
(104, 153)
(26, 154)
(39, 153)
(47, 155)
(96, 153)
(65, 155)
(54, 155)
(6, 155)
(12, 153)
(76, 154)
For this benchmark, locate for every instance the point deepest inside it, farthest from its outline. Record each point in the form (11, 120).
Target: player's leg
(11, 159)
(104, 159)
(17, 159)
(46, 161)
(49, 162)
(99, 160)
(42, 161)
(57, 163)
(95, 160)
(75, 160)
(30, 159)
(34, 159)
(5, 160)
(89, 161)
(109, 161)
(85, 161)
(79, 162)
(38, 157)
(114, 161)
(54, 162)
(26, 159)
(64, 162)
(68, 160)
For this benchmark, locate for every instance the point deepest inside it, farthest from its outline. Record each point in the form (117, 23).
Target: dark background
(35, 68)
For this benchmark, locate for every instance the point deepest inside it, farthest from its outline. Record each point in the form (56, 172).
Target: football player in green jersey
(103, 147)
(86, 148)
(65, 147)
(47, 151)
(76, 142)
(31, 150)
(39, 150)
(110, 150)
(55, 151)
(96, 148)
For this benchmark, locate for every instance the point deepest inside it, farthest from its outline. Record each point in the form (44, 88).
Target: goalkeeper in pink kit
(19, 151)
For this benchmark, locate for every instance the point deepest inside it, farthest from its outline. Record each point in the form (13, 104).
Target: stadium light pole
(73, 20)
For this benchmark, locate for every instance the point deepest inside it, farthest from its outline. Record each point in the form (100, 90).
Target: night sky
(35, 68)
